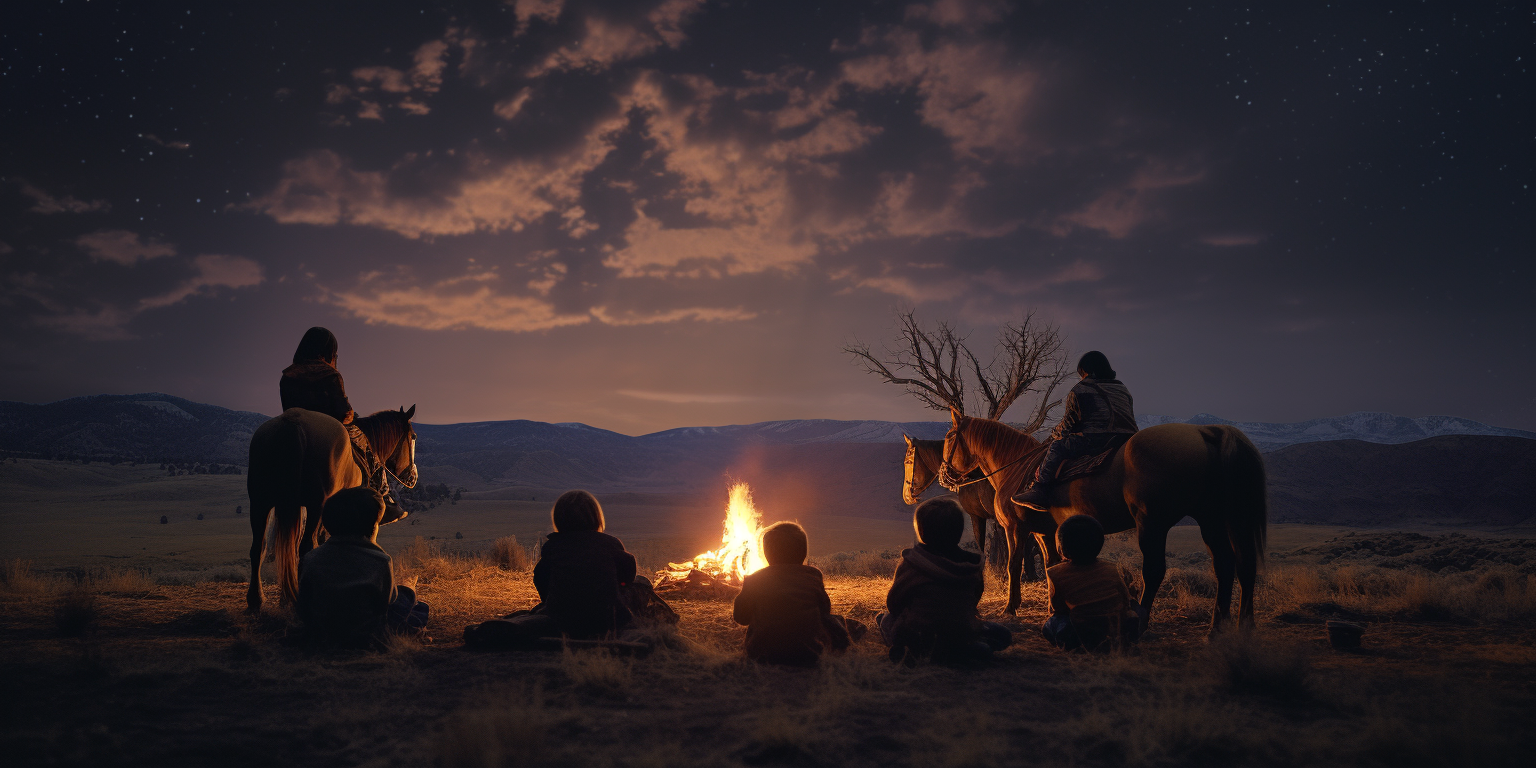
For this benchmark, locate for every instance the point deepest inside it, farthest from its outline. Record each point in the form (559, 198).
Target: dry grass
(1497, 595)
(509, 555)
(862, 564)
(167, 671)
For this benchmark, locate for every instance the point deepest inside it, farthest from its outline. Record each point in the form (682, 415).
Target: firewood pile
(695, 585)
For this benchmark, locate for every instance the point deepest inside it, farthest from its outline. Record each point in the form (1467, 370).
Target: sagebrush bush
(509, 555)
(75, 613)
(125, 581)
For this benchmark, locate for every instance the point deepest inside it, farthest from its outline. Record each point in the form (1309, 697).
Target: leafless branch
(1030, 358)
(926, 363)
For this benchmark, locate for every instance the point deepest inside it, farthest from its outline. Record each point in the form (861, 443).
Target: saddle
(1088, 464)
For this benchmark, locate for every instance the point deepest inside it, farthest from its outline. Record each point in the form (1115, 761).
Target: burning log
(718, 575)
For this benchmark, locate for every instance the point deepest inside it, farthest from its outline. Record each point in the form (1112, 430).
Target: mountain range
(1350, 469)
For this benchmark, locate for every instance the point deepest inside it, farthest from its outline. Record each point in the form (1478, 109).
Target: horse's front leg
(261, 511)
(1015, 564)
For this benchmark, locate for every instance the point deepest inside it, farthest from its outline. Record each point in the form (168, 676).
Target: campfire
(718, 574)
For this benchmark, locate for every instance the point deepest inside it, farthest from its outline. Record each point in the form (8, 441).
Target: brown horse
(922, 462)
(300, 459)
(1213, 474)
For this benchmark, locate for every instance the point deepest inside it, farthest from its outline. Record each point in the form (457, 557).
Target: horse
(302, 458)
(923, 458)
(1212, 473)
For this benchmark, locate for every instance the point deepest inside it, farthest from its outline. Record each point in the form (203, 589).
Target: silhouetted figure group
(589, 588)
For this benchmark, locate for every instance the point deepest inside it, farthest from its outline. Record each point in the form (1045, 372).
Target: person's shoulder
(1060, 568)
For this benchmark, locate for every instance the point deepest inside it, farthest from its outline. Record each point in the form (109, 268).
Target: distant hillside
(1450, 480)
(1361, 469)
(150, 427)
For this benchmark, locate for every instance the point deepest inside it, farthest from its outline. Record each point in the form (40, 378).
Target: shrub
(165, 519)
(509, 555)
(75, 613)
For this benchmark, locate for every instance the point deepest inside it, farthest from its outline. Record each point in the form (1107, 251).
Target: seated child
(347, 592)
(785, 605)
(581, 571)
(1091, 608)
(931, 607)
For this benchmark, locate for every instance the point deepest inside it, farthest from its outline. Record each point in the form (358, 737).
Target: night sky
(650, 215)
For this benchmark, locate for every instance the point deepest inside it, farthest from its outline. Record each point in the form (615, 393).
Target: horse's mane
(1005, 443)
(383, 428)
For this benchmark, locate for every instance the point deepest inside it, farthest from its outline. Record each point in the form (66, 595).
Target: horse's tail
(1244, 494)
(287, 456)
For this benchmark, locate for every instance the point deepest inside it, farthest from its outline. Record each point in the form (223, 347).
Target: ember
(718, 574)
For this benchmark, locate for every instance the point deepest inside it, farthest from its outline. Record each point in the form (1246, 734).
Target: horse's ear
(409, 414)
(906, 438)
(955, 415)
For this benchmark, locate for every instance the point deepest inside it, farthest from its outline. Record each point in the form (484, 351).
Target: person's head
(939, 522)
(1080, 538)
(354, 512)
(785, 544)
(1095, 365)
(318, 344)
(577, 511)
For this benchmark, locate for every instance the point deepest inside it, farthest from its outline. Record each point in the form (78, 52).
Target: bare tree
(934, 365)
(926, 362)
(1030, 358)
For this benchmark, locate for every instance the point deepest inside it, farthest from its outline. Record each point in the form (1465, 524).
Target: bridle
(410, 440)
(951, 478)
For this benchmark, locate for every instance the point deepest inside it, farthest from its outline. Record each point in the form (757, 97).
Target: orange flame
(740, 551)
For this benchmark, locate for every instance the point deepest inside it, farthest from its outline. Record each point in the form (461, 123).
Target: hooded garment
(578, 577)
(345, 588)
(1091, 590)
(316, 385)
(934, 595)
(785, 609)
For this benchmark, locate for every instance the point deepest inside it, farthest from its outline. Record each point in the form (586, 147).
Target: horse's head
(958, 459)
(401, 461)
(919, 472)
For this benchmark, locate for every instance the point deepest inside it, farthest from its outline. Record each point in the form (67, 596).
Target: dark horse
(1213, 474)
(922, 468)
(302, 458)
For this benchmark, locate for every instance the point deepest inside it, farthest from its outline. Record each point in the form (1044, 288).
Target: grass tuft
(509, 555)
(75, 613)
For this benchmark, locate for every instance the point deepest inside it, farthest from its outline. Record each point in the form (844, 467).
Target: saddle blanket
(1082, 466)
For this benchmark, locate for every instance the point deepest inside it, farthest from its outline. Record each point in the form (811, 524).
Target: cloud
(324, 189)
(528, 10)
(485, 298)
(153, 139)
(122, 247)
(1122, 208)
(72, 306)
(211, 272)
(42, 202)
(684, 397)
(375, 88)
(606, 41)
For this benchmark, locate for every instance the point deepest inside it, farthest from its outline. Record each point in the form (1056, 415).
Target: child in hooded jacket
(785, 606)
(931, 608)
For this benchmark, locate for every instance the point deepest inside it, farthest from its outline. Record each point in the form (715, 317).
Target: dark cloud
(1240, 203)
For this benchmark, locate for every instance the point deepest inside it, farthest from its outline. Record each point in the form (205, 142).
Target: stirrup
(393, 512)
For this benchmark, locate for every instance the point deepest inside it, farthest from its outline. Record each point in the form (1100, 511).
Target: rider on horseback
(1098, 410)
(314, 384)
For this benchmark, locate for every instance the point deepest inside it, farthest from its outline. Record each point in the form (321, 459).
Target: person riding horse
(1098, 409)
(314, 384)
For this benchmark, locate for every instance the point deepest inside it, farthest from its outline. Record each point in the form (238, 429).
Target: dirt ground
(162, 675)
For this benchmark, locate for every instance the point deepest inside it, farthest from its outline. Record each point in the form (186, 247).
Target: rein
(947, 471)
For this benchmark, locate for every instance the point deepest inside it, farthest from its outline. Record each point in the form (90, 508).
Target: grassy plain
(139, 659)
